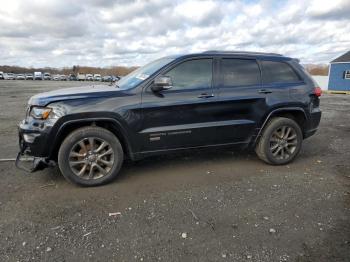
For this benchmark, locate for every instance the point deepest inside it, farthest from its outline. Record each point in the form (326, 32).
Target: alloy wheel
(283, 142)
(91, 158)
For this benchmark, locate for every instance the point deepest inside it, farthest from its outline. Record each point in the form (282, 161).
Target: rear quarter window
(278, 72)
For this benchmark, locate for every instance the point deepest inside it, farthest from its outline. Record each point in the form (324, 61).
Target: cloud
(122, 32)
(332, 10)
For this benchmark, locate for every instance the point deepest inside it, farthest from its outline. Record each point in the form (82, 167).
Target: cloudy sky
(124, 32)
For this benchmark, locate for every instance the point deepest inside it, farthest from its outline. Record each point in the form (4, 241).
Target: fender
(120, 128)
(283, 109)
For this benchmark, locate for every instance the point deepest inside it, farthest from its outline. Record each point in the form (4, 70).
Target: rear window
(278, 72)
(239, 72)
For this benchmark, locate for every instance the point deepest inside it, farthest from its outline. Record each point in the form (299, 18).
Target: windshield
(136, 77)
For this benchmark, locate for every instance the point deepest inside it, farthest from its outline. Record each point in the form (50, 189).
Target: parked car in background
(97, 77)
(47, 76)
(29, 76)
(261, 101)
(63, 77)
(81, 77)
(72, 77)
(2, 76)
(89, 77)
(20, 77)
(107, 79)
(10, 76)
(38, 76)
(115, 78)
(56, 77)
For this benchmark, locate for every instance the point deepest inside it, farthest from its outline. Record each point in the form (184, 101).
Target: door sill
(143, 153)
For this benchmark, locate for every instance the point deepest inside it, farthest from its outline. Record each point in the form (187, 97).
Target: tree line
(115, 70)
(313, 69)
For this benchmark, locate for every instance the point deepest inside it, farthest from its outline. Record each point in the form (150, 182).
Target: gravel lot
(200, 206)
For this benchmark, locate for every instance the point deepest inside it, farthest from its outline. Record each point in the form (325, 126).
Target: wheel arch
(296, 113)
(108, 123)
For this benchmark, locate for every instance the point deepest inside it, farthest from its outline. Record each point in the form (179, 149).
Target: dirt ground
(222, 205)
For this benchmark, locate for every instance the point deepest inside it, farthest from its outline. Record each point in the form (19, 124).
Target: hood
(82, 92)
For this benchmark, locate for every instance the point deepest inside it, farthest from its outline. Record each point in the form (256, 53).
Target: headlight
(40, 112)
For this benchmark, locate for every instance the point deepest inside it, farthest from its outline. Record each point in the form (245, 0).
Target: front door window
(192, 74)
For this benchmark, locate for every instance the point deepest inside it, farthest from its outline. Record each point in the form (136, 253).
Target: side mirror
(162, 83)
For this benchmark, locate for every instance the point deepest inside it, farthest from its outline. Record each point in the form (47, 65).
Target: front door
(181, 116)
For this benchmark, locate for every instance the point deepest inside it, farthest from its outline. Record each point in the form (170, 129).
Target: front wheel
(280, 142)
(90, 156)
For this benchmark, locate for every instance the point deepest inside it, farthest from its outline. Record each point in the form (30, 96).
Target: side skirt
(140, 155)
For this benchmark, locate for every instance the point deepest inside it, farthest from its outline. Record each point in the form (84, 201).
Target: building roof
(343, 58)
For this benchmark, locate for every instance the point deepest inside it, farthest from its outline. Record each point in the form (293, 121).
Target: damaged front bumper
(31, 164)
(31, 155)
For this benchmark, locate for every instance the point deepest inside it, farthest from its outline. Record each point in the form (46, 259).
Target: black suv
(259, 100)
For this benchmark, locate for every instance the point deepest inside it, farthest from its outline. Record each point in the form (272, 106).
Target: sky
(61, 33)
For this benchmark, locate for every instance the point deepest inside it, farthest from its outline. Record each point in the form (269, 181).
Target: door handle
(205, 95)
(264, 91)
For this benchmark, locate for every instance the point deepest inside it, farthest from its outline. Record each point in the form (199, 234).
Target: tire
(280, 142)
(90, 156)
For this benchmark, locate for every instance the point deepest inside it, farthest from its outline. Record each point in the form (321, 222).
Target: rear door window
(239, 72)
(278, 72)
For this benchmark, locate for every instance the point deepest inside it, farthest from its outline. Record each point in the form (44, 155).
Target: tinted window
(240, 72)
(278, 72)
(192, 74)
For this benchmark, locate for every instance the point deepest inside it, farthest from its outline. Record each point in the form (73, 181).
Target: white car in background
(47, 76)
(20, 77)
(29, 76)
(89, 77)
(10, 76)
(2, 75)
(38, 76)
(81, 77)
(63, 77)
(97, 77)
(56, 77)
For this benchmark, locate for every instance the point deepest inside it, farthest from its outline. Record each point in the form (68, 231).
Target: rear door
(242, 104)
(181, 116)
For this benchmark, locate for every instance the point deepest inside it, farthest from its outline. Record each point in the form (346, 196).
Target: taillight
(318, 91)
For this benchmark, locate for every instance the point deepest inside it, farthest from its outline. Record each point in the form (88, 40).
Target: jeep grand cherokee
(258, 100)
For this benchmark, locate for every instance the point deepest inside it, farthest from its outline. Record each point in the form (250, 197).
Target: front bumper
(32, 164)
(33, 147)
(33, 140)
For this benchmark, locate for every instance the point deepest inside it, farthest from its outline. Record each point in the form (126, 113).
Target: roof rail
(240, 53)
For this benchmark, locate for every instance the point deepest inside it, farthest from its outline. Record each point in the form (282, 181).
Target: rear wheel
(280, 142)
(90, 156)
